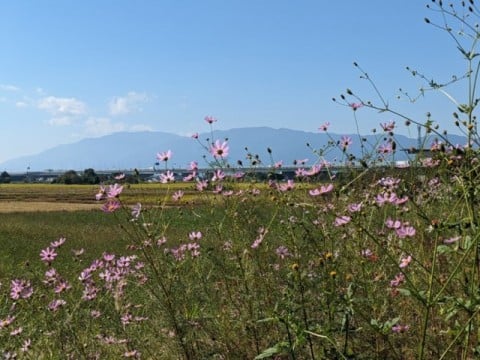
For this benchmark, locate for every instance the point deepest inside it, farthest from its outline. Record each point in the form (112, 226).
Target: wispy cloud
(21, 104)
(121, 105)
(60, 121)
(102, 126)
(99, 126)
(62, 106)
(8, 87)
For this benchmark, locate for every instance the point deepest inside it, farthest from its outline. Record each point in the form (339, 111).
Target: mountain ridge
(128, 150)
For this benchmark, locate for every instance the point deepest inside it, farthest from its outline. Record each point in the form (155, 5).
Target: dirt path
(29, 206)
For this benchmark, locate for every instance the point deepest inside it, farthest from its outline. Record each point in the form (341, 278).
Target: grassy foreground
(374, 266)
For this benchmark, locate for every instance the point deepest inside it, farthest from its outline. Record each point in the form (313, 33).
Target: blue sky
(76, 69)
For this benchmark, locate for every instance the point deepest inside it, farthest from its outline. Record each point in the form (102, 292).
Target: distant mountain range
(138, 149)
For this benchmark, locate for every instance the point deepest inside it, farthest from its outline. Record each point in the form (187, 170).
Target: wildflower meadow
(380, 260)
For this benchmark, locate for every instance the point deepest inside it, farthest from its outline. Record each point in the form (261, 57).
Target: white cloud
(102, 126)
(60, 121)
(122, 105)
(62, 106)
(8, 87)
(21, 104)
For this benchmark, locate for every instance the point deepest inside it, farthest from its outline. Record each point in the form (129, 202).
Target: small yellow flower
(294, 266)
(333, 273)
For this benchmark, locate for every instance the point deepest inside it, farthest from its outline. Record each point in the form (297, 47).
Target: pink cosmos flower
(282, 252)
(7, 321)
(452, 240)
(210, 119)
(398, 280)
(385, 148)
(167, 177)
(400, 328)
(219, 149)
(218, 175)
(324, 126)
(278, 164)
(345, 142)
(342, 220)
(177, 195)
(136, 210)
(114, 190)
(58, 243)
(286, 187)
(354, 207)
(56, 304)
(190, 176)
(387, 127)
(405, 262)
(120, 176)
(195, 236)
(201, 185)
(164, 156)
(48, 255)
(193, 166)
(405, 231)
(20, 289)
(195, 136)
(100, 193)
(110, 206)
(356, 106)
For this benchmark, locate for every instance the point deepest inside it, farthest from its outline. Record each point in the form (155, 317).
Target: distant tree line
(5, 178)
(89, 176)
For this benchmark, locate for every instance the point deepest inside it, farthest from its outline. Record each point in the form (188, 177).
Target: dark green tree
(5, 178)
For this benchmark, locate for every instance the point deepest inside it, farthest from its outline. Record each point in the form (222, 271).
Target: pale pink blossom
(219, 149)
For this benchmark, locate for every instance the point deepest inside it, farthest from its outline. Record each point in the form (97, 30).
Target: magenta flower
(393, 224)
(110, 206)
(210, 119)
(114, 190)
(164, 156)
(48, 255)
(219, 149)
